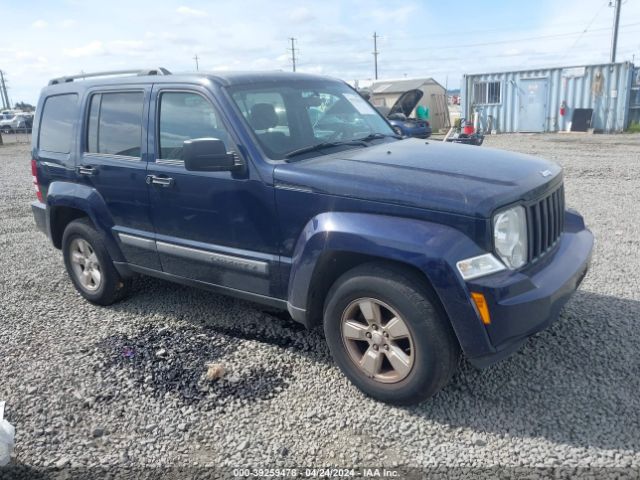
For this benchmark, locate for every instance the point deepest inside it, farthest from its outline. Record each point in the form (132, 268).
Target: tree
(24, 106)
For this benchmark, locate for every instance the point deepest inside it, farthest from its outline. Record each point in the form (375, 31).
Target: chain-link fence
(15, 126)
(16, 136)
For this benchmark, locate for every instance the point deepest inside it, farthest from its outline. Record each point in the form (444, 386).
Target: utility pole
(616, 23)
(375, 54)
(293, 52)
(196, 59)
(3, 92)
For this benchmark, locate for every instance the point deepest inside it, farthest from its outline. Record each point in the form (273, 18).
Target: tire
(431, 350)
(6, 130)
(81, 240)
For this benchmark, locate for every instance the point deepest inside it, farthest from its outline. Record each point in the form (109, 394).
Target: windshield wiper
(377, 135)
(323, 145)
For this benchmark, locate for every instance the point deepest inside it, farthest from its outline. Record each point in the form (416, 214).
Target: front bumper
(524, 302)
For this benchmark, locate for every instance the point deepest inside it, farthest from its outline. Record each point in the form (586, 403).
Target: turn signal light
(481, 305)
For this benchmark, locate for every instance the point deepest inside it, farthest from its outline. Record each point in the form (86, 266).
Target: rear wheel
(5, 129)
(89, 265)
(387, 334)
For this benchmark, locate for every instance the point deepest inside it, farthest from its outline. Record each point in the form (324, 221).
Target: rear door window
(56, 125)
(115, 123)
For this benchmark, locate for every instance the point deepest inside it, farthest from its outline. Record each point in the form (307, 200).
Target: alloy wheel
(85, 264)
(378, 340)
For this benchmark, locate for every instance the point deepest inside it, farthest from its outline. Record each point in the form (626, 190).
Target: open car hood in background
(407, 102)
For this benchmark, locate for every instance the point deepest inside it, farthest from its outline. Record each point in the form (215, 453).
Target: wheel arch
(60, 217)
(335, 242)
(69, 201)
(331, 265)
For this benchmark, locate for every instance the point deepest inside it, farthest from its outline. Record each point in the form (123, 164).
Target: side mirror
(207, 155)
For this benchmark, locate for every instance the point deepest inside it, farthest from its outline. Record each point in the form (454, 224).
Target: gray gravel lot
(122, 387)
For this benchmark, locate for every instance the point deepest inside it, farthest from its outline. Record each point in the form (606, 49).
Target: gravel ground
(122, 389)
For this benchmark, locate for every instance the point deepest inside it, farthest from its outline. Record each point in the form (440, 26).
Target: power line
(433, 47)
(438, 33)
(585, 30)
(293, 52)
(515, 40)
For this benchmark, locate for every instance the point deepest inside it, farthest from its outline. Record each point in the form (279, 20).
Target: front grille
(545, 220)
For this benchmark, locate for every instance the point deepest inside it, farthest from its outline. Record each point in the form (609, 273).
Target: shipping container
(578, 98)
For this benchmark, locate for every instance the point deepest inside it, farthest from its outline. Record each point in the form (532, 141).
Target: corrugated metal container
(634, 101)
(544, 100)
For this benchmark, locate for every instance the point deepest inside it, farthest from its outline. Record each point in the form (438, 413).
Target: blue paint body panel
(415, 129)
(262, 231)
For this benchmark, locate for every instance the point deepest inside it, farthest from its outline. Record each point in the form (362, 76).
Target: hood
(432, 175)
(407, 102)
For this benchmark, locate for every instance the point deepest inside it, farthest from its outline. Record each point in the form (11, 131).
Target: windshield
(293, 115)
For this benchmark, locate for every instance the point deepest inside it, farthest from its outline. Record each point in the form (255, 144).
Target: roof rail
(139, 72)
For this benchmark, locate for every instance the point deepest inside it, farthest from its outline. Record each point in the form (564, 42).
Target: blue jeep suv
(292, 191)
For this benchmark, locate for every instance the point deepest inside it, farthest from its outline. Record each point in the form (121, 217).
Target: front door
(213, 227)
(533, 105)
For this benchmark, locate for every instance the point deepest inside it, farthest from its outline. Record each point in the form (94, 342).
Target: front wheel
(388, 335)
(89, 265)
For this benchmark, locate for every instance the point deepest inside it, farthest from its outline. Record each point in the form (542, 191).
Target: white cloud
(128, 44)
(333, 37)
(130, 48)
(89, 50)
(393, 16)
(191, 12)
(67, 23)
(301, 15)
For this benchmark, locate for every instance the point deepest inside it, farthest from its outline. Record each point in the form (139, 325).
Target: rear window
(56, 125)
(115, 123)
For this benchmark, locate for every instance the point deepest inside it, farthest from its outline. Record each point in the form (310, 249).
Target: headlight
(510, 236)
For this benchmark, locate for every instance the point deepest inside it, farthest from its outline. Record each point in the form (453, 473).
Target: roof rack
(138, 72)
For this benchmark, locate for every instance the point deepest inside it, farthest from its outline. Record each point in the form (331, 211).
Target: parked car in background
(9, 124)
(17, 123)
(400, 116)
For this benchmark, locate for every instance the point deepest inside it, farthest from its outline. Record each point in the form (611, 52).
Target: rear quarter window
(56, 124)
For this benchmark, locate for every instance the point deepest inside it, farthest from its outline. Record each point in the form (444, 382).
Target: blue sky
(44, 39)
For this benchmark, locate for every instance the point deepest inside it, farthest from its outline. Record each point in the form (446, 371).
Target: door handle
(162, 181)
(87, 170)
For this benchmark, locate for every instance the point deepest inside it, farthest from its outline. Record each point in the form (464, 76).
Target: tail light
(36, 185)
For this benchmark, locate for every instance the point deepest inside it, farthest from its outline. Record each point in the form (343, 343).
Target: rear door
(214, 227)
(114, 161)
